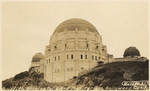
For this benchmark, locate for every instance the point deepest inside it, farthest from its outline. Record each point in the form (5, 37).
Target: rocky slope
(105, 76)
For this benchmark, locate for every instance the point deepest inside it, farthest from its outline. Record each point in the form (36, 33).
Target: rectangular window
(67, 56)
(71, 69)
(85, 56)
(71, 56)
(95, 57)
(55, 58)
(49, 60)
(92, 57)
(81, 56)
(99, 58)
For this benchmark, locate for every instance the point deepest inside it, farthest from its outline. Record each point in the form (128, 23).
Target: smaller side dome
(37, 57)
(131, 51)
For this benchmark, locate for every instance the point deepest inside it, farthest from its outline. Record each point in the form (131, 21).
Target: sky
(27, 27)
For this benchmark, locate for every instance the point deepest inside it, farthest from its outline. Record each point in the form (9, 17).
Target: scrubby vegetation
(113, 74)
(25, 80)
(21, 75)
(100, 77)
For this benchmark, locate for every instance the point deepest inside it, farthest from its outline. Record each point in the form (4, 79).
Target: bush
(21, 75)
(100, 62)
(74, 77)
(37, 75)
(6, 84)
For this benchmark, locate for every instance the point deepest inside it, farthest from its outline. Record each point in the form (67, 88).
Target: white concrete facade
(72, 51)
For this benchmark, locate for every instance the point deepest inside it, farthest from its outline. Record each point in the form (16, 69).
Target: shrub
(37, 75)
(21, 75)
(74, 77)
(6, 84)
(100, 62)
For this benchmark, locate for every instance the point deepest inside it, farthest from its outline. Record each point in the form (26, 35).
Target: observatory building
(74, 46)
(37, 63)
(131, 54)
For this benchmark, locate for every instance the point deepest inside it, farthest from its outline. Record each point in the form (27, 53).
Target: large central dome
(75, 23)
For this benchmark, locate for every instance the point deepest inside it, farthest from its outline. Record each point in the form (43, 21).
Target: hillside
(100, 77)
(113, 74)
(25, 80)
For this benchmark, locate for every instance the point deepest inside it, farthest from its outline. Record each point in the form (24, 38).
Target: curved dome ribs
(75, 23)
(131, 51)
(37, 57)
